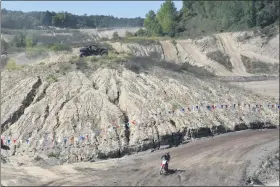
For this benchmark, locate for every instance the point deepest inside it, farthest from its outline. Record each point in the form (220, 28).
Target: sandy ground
(265, 88)
(231, 49)
(221, 160)
(193, 52)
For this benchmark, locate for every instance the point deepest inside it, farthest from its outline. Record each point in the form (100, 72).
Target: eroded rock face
(76, 105)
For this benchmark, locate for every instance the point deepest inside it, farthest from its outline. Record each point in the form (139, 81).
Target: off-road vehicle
(93, 50)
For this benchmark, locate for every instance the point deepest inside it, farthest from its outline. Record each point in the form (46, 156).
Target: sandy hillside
(212, 52)
(61, 110)
(69, 100)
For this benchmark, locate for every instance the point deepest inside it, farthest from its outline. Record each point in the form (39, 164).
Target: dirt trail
(265, 88)
(169, 50)
(198, 57)
(231, 49)
(221, 160)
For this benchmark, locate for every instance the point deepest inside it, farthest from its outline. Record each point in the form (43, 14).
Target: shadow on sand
(175, 171)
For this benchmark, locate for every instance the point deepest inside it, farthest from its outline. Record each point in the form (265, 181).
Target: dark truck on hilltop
(93, 50)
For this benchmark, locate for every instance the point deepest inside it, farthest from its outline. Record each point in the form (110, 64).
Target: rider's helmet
(167, 154)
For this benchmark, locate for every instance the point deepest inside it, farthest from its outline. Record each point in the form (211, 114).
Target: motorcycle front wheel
(161, 170)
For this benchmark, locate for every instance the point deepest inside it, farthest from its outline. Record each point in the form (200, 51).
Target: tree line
(201, 17)
(194, 18)
(30, 20)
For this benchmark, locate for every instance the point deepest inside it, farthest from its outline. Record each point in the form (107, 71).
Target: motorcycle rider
(166, 157)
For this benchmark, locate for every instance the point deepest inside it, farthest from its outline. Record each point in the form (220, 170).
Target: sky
(128, 9)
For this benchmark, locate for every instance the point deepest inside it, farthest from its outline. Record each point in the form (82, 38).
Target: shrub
(173, 42)
(55, 155)
(19, 40)
(52, 78)
(128, 34)
(38, 158)
(115, 36)
(141, 32)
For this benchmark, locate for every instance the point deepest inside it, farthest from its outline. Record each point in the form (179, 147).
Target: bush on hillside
(141, 32)
(115, 36)
(128, 34)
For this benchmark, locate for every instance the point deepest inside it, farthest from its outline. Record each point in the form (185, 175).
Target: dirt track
(231, 49)
(221, 160)
(265, 88)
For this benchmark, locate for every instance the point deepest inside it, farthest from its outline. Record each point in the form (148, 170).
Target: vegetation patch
(53, 154)
(52, 78)
(12, 65)
(221, 58)
(256, 66)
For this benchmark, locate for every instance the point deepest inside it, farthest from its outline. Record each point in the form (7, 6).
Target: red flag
(14, 140)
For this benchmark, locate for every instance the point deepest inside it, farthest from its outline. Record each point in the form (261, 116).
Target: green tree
(166, 17)
(151, 24)
(19, 40)
(115, 36)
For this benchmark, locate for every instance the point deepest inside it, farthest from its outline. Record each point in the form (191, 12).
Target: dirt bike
(163, 167)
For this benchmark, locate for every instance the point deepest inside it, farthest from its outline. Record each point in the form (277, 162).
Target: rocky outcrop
(76, 105)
